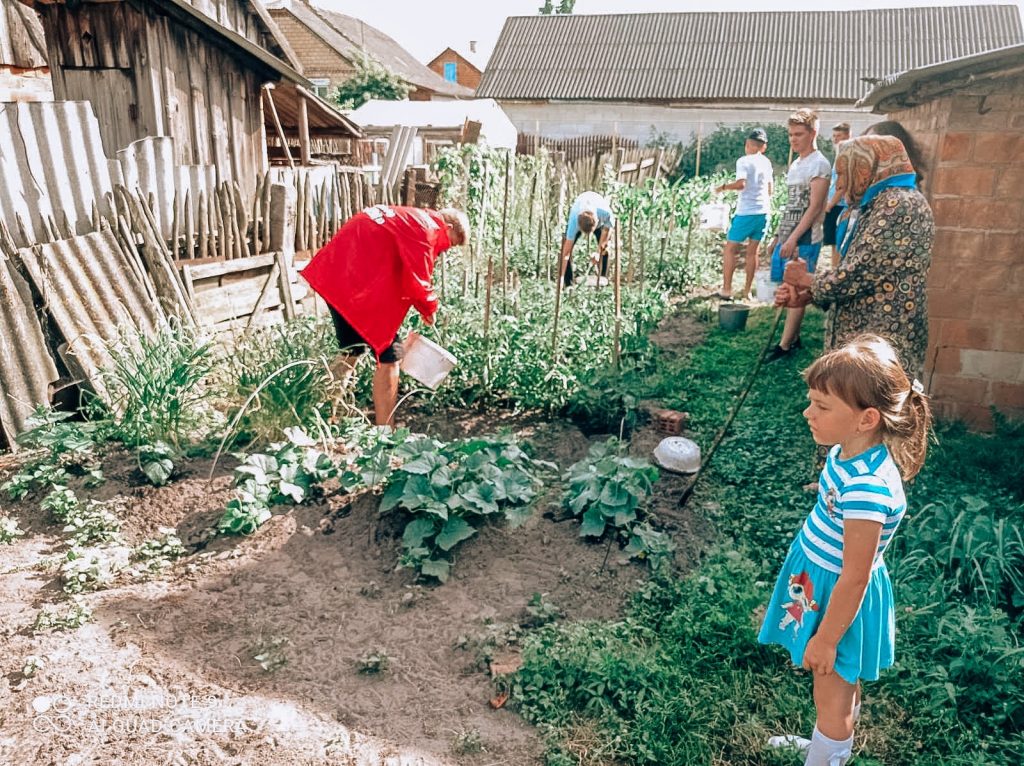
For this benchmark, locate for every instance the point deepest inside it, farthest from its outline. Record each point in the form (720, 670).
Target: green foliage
(157, 462)
(720, 149)
(157, 387)
(158, 553)
(373, 663)
(76, 615)
(9, 530)
(607, 491)
(92, 523)
(450, 490)
(86, 570)
(371, 80)
(290, 472)
(563, 7)
(65, 447)
(261, 370)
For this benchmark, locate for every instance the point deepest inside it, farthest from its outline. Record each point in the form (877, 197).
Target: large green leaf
(424, 463)
(593, 523)
(438, 568)
(418, 530)
(455, 531)
(392, 496)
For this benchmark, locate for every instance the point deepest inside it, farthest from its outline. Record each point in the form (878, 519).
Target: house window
(321, 86)
(450, 73)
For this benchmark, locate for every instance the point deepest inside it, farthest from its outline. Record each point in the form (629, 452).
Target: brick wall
(465, 73)
(976, 284)
(318, 59)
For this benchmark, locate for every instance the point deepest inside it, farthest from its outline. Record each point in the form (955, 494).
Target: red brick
(957, 389)
(958, 244)
(999, 307)
(1005, 366)
(992, 214)
(1003, 248)
(947, 361)
(992, 277)
(951, 304)
(997, 147)
(956, 146)
(1009, 337)
(946, 211)
(942, 273)
(966, 180)
(1008, 395)
(963, 333)
(1010, 180)
(976, 416)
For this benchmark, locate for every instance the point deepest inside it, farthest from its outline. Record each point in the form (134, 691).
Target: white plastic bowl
(679, 454)
(425, 361)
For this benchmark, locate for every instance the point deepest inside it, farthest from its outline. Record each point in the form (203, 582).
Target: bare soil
(169, 670)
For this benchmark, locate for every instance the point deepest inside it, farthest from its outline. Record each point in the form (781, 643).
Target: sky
(424, 30)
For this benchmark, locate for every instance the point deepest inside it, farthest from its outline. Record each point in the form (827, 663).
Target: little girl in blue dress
(832, 606)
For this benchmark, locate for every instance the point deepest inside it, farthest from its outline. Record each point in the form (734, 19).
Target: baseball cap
(758, 134)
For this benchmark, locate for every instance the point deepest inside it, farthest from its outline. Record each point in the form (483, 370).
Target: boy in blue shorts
(754, 183)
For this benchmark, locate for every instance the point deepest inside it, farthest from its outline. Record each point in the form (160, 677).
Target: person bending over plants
(371, 273)
(590, 214)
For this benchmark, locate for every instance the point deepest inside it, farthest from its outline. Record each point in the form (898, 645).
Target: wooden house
(195, 71)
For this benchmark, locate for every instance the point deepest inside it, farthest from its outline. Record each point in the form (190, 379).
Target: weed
(32, 665)
(76, 615)
(9, 530)
(66, 448)
(87, 570)
(467, 742)
(373, 662)
(158, 553)
(269, 652)
(92, 523)
(540, 611)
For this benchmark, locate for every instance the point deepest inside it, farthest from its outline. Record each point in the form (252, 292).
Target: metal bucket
(733, 316)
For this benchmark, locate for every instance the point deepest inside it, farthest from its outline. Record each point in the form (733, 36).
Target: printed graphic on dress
(801, 600)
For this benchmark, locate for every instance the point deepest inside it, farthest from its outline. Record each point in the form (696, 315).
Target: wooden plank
(206, 270)
(286, 287)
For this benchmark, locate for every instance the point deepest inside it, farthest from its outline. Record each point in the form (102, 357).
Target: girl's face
(832, 420)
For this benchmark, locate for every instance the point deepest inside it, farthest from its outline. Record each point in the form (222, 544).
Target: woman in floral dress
(886, 247)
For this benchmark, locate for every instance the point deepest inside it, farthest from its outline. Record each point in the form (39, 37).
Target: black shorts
(829, 225)
(351, 341)
(596, 232)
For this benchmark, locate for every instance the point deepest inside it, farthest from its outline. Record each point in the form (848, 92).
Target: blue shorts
(808, 252)
(744, 227)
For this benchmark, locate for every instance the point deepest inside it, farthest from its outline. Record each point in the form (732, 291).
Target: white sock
(828, 752)
(792, 741)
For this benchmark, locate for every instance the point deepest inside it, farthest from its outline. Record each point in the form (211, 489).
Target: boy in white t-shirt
(754, 183)
(800, 230)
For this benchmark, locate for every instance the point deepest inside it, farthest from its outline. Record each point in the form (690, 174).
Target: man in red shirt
(376, 268)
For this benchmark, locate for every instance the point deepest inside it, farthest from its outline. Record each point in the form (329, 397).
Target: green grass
(682, 680)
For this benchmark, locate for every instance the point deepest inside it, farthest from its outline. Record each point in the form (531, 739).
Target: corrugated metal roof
(350, 36)
(93, 295)
(53, 166)
(904, 88)
(26, 369)
(22, 40)
(816, 56)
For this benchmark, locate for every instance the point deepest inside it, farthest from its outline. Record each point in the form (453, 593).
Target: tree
(564, 7)
(371, 80)
(720, 149)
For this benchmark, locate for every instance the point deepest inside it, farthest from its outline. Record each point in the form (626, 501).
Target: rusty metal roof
(26, 368)
(22, 41)
(92, 293)
(799, 56)
(53, 167)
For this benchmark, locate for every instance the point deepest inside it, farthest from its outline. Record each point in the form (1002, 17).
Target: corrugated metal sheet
(897, 90)
(93, 294)
(22, 42)
(816, 56)
(26, 369)
(53, 166)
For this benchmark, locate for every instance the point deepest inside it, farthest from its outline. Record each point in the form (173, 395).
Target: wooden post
(190, 226)
(700, 131)
(504, 234)
(277, 124)
(204, 227)
(282, 240)
(304, 155)
(616, 351)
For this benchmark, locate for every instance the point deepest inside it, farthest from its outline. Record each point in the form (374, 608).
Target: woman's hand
(784, 295)
(796, 274)
(819, 656)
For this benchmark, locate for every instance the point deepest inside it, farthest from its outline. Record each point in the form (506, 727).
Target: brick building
(968, 113)
(454, 67)
(327, 44)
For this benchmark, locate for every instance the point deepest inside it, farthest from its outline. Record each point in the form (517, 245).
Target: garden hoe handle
(735, 409)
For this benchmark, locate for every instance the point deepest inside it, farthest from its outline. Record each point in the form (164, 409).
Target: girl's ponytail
(907, 432)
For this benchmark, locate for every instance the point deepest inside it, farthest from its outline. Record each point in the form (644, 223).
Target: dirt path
(167, 671)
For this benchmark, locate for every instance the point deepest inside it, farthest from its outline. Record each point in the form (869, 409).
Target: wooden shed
(194, 71)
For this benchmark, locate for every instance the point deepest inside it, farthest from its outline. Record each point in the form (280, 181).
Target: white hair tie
(917, 387)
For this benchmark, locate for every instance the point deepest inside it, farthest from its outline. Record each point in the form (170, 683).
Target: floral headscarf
(864, 161)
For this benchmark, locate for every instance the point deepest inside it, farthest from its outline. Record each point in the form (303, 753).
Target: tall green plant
(371, 80)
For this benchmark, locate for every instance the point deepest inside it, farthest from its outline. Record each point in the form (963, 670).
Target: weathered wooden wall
(147, 75)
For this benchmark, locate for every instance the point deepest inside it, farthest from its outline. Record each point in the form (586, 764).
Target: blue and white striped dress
(868, 487)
